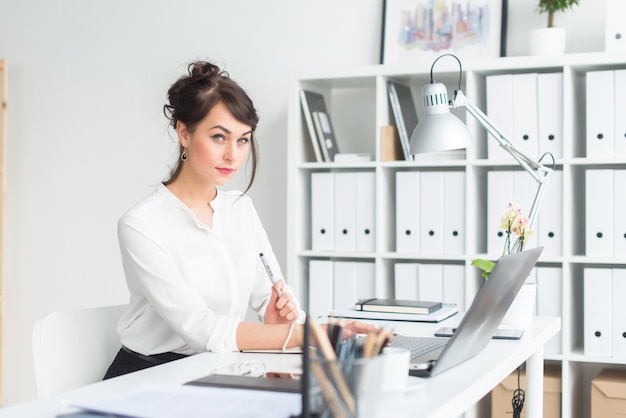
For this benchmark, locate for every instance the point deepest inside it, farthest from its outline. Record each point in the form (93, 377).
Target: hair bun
(204, 69)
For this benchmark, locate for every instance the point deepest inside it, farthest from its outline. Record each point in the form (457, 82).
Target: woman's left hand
(283, 309)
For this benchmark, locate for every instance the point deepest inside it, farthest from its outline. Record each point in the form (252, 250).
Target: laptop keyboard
(418, 346)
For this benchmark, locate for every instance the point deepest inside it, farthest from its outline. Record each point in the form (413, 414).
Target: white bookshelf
(358, 105)
(3, 106)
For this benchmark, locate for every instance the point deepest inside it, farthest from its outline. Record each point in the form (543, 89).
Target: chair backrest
(74, 348)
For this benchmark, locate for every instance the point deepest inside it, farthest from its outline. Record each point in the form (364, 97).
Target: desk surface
(448, 394)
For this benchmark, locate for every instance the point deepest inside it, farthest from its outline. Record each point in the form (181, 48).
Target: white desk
(446, 395)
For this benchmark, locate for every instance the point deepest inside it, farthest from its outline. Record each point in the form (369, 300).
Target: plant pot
(520, 314)
(547, 41)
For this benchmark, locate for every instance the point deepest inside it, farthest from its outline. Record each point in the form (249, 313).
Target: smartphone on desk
(501, 334)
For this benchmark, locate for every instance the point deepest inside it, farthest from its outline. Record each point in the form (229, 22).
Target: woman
(190, 251)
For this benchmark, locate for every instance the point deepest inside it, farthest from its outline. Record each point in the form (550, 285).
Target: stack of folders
(397, 310)
(339, 366)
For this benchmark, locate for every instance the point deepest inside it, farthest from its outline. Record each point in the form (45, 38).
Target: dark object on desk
(398, 306)
(273, 382)
(500, 334)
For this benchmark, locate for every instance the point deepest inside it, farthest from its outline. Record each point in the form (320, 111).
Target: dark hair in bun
(193, 96)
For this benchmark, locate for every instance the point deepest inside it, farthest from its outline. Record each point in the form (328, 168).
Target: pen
(269, 273)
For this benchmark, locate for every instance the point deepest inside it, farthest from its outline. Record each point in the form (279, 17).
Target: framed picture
(414, 30)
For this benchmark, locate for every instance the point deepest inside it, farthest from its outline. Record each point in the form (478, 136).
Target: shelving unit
(358, 106)
(3, 106)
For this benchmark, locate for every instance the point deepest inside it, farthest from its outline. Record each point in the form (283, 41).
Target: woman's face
(217, 148)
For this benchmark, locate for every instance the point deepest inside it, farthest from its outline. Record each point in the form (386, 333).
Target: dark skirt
(128, 361)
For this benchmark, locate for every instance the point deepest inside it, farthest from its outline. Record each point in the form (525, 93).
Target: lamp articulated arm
(536, 169)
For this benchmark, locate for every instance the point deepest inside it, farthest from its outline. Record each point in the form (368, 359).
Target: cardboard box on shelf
(502, 394)
(608, 394)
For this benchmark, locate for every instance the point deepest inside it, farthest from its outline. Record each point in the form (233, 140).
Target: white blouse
(190, 285)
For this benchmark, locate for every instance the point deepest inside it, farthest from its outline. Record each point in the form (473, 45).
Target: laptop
(479, 323)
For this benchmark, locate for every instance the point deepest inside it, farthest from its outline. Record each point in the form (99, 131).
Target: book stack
(319, 126)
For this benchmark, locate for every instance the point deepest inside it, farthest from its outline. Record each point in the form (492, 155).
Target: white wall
(87, 137)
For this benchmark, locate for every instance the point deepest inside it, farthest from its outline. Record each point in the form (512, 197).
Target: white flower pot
(547, 41)
(520, 314)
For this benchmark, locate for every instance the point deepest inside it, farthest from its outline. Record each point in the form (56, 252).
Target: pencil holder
(349, 388)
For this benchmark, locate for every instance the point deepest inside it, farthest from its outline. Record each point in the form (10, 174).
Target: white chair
(74, 348)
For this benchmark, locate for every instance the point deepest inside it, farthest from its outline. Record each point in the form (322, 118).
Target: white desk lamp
(440, 130)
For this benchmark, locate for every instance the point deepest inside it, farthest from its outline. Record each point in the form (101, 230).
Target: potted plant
(551, 39)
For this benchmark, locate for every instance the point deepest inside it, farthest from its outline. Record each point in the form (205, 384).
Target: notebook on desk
(432, 355)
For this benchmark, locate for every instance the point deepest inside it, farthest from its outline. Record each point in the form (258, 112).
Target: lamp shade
(440, 130)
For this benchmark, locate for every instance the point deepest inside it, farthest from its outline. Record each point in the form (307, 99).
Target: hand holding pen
(269, 273)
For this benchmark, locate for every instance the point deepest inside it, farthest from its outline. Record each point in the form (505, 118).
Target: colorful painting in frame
(414, 30)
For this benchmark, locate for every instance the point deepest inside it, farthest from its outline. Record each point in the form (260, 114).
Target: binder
(453, 218)
(407, 211)
(598, 225)
(549, 222)
(524, 190)
(366, 280)
(320, 287)
(500, 111)
(405, 281)
(365, 211)
(431, 214)
(550, 113)
(619, 220)
(550, 300)
(345, 211)
(619, 136)
(600, 107)
(322, 211)
(344, 283)
(598, 312)
(404, 113)
(454, 285)
(326, 135)
(525, 124)
(614, 39)
(500, 192)
(310, 102)
(430, 281)
(618, 336)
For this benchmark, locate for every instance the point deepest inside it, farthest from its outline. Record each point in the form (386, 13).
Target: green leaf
(485, 265)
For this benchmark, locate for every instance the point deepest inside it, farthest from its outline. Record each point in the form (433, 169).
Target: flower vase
(520, 314)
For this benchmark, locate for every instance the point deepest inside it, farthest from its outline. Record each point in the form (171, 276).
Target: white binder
(407, 211)
(322, 212)
(549, 222)
(598, 312)
(524, 190)
(365, 211)
(500, 111)
(550, 113)
(320, 287)
(619, 135)
(500, 192)
(453, 218)
(619, 220)
(405, 281)
(615, 32)
(599, 225)
(600, 107)
(431, 214)
(618, 336)
(344, 283)
(430, 282)
(454, 285)
(365, 280)
(525, 124)
(550, 300)
(345, 212)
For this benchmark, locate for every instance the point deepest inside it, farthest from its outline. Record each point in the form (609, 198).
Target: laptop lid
(488, 309)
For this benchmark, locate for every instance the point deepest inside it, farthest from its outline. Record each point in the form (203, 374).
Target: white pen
(269, 273)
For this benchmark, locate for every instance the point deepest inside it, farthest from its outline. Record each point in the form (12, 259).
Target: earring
(183, 156)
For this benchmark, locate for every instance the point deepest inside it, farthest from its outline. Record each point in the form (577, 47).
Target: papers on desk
(152, 400)
(446, 311)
